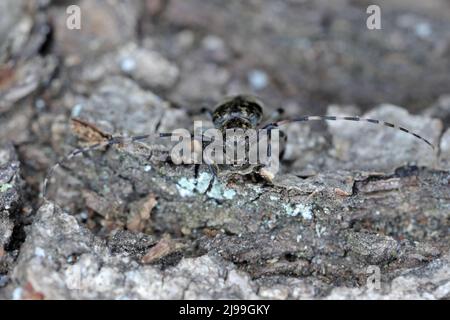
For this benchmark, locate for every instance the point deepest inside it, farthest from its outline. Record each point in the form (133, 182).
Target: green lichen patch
(5, 187)
(294, 210)
(187, 187)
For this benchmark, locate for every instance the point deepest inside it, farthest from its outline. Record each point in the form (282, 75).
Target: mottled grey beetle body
(239, 112)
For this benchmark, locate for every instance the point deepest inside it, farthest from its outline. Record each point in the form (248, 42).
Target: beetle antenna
(100, 145)
(353, 118)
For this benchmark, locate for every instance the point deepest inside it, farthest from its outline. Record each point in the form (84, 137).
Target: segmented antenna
(104, 144)
(334, 118)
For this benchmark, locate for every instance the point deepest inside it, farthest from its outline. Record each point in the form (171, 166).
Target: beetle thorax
(243, 112)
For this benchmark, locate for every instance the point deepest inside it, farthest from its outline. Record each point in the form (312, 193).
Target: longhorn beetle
(238, 112)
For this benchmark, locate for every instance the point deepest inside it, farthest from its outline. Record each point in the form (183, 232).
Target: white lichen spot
(423, 30)
(39, 252)
(203, 181)
(17, 293)
(76, 110)
(220, 192)
(273, 198)
(216, 191)
(229, 194)
(258, 79)
(127, 65)
(257, 189)
(40, 104)
(186, 187)
(213, 43)
(320, 230)
(294, 210)
(307, 212)
(5, 187)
